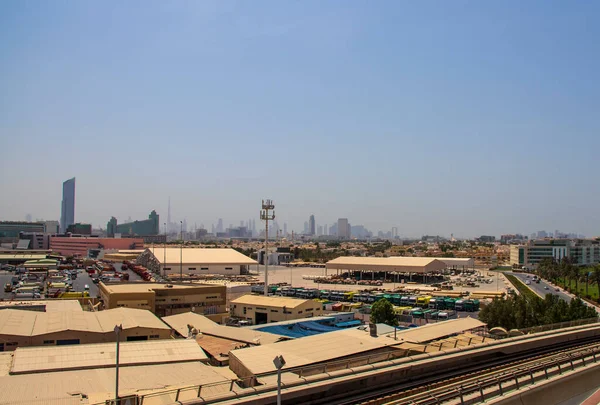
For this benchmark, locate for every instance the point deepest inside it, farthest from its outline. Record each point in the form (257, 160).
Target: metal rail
(480, 386)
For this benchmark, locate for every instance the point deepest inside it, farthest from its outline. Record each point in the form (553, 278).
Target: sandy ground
(293, 276)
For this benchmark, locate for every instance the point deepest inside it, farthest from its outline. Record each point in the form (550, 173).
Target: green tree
(383, 312)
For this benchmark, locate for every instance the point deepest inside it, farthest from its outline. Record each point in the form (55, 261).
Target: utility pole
(181, 255)
(118, 329)
(267, 205)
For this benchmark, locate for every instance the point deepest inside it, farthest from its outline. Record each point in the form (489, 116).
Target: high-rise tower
(67, 211)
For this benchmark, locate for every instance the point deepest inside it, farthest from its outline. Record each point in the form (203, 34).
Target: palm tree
(576, 272)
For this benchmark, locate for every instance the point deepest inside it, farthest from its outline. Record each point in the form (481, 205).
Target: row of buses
(403, 301)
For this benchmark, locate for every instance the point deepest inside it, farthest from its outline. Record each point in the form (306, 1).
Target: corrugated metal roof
(180, 322)
(310, 350)
(33, 323)
(129, 318)
(395, 263)
(98, 384)
(200, 256)
(74, 357)
(21, 257)
(204, 325)
(263, 301)
(438, 330)
(145, 287)
(17, 323)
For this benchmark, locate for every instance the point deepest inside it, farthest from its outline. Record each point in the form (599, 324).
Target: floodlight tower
(265, 215)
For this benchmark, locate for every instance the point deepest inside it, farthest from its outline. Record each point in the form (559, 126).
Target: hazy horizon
(436, 118)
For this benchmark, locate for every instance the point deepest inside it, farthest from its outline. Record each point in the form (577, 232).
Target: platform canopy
(398, 264)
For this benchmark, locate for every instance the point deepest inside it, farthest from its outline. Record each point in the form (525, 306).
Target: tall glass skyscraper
(67, 212)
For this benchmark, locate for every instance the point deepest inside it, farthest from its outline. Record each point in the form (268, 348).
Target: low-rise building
(260, 309)
(166, 299)
(581, 252)
(22, 328)
(195, 261)
(88, 246)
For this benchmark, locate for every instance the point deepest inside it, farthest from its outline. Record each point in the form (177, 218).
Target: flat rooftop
(208, 256)
(28, 360)
(271, 301)
(99, 384)
(133, 287)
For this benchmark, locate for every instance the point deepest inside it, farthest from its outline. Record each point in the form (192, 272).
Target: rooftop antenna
(267, 205)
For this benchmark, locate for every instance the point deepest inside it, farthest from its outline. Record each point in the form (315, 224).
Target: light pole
(181, 255)
(279, 362)
(118, 329)
(267, 205)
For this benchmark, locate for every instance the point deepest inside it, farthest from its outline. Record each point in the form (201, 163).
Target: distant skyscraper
(285, 229)
(325, 230)
(305, 231)
(169, 217)
(67, 214)
(28, 217)
(311, 225)
(343, 228)
(320, 230)
(220, 225)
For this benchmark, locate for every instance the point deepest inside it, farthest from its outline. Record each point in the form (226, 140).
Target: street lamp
(279, 362)
(181, 255)
(267, 205)
(118, 329)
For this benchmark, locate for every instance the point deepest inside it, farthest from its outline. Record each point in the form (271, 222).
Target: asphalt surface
(539, 288)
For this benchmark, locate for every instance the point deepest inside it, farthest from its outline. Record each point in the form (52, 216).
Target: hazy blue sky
(435, 117)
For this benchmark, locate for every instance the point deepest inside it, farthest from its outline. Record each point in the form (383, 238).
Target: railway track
(479, 383)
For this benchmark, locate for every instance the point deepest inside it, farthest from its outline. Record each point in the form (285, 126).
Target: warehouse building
(22, 328)
(86, 373)
(217, 340)
(166, 299)
(345, 344)
(89, 246)
(259, 309)
(195, 261)
(395, 264)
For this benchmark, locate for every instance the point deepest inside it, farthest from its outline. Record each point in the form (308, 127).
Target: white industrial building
(195, 261)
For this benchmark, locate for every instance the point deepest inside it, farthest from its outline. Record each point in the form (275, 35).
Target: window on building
(154, 337)
(191, 268)
(274, 310)
(299, 312)
(228, 268)
(203, 268)
(12, 344)
(244, 310)
(48, 342)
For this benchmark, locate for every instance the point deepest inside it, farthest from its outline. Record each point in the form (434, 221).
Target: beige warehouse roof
(309, 350)
(396, 263)
(99, 384)
(180, 322)
(17, 322)
(204, 325)
(33, 323)
(201, 256)
(51, 322)
(135, 287)
(261, 300)
(438, 330)
(129, 318)
(75, 357)
(457, 261)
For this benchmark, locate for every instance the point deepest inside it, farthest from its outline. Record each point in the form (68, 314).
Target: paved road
(539, 288)
(80, 282)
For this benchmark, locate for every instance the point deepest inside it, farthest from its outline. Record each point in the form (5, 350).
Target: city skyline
(430, 118)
